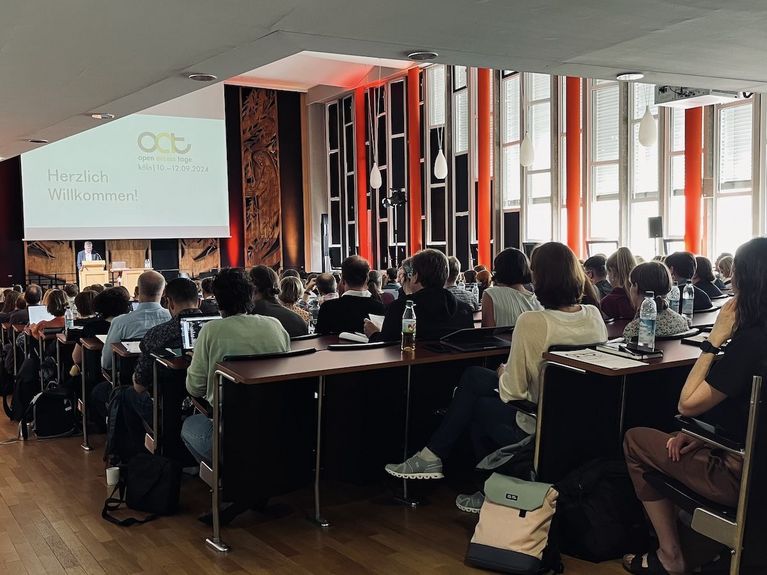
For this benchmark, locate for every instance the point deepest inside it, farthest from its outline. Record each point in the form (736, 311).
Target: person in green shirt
(236, 334)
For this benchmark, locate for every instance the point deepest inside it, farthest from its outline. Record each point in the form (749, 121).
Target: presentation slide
(139, 177)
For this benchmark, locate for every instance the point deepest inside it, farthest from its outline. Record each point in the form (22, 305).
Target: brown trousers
(711, 473)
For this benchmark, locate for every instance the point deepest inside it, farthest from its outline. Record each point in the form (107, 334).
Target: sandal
(633, 564)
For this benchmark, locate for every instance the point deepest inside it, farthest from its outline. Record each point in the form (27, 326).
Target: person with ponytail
(265, 292)
(374, 285)
(653, 277)
(617, 304)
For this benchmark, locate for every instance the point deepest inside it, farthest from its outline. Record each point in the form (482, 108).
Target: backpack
(125, 429)
(52, 414)
(515, 522)
(599, 516)
(514, 460)
(25, 387)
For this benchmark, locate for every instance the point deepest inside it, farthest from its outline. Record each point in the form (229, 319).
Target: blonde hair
(619, 266)
(724, 266)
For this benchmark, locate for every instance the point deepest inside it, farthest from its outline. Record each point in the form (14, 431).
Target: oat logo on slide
(162, 142)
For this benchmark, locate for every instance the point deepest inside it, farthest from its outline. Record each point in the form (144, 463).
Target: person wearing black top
(705, 279)
(265, 291)
(718, 393)
(32, 295)
(437, 311)
(208, 305)
(682, 266)
(348, 313)
(596, 271)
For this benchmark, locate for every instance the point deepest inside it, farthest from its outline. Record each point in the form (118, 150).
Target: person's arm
(142, 374)
(77, 354)
(527, 347)
(114, 335)
(488, 312)
(392, 324)
(698, 396)
(197, 374)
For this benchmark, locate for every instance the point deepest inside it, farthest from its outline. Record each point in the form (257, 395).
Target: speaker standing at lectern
(87, 255)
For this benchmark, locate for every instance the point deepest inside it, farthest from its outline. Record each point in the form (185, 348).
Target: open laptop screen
(190, 329)
(38, 313)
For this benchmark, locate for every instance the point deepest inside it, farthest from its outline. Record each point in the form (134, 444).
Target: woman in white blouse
(507, 299)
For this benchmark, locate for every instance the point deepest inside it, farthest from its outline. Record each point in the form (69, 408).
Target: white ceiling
(60, 61)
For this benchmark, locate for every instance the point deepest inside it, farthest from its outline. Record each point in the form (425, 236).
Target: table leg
(155, 411)
(623, 413)
(215, 541)
(40, 355)
(318, 519)
(85, 445)
(405, 498)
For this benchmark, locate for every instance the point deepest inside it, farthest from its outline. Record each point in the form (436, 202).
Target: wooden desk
(63, 341)
(316, 365)
(120, 354)
(91, 347)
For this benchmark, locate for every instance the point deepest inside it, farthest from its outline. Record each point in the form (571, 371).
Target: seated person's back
(208, 305)
(704, 278)
(654, 277)
(32, 296)
(683, 267)
(617, 304)
(437, 311)
(265, 291)
(348, 313)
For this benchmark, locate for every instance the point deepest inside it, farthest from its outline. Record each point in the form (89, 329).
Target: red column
(363, 214)
(483, 166)
(414, 157)
(573, 163)
(693, 190)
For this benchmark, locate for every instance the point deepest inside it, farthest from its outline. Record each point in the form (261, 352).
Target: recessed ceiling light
(202, 77)
(102, 116)
(422, 56)
(629, 76)
(37, 141)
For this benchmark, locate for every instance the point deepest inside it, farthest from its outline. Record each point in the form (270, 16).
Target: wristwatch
(708, 347)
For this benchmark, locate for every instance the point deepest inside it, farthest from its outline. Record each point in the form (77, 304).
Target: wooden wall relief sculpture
(198, 256)
(49, 259)
(260, 176)
(132, 252)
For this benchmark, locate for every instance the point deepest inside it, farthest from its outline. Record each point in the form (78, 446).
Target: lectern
(93, 272)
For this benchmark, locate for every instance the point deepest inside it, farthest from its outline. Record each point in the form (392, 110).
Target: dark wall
(11, 223)
(165, 256)
(232, 254)
(291, 179)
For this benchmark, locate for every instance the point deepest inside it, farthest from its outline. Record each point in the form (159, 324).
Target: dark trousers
(477, 407)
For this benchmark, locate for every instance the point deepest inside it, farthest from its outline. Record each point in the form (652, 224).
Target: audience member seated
(182, 301)
(507, 298)
(98, 288)
(391, 282)
(327, 287)
(374, 285)
(291, 289)
(682, 267)
(108, 305)
(718, 393)
(56, 305)
(208, 305)
(481, 400)
(266, 289)
(32, 296)
(704, 278)
(84, 307)
(617, 304)
(437, 311)
(236, 334)
(290, 273)
(460, 293)
(71, 291)
(596, 271)
(483, 281)
(9, 306)
(348, 313)
(653, 277)
(724, 267)
(135, 324)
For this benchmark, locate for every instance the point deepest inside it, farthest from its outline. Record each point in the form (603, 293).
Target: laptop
(118, 265)
(190, 329)
(478, 339)
(38, 313)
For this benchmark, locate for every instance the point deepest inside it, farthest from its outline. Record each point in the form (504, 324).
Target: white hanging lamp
(375, 177)
(440, 162)
(648, 129)
(527, 152)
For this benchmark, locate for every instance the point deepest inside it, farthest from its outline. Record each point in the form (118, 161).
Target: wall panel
(198, 256)
(50, 259)
(132, 252)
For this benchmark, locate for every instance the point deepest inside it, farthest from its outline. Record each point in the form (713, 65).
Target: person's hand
(725, 323)
(311, 284)
(370, 328)
(501, 369)
(681, 444)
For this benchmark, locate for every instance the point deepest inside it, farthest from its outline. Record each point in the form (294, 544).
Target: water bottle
(408, 327)
(673, 298)
(475, 292)
(648, 313)
(688, 301)
(314, 310)
(69, 319)
(147, 263)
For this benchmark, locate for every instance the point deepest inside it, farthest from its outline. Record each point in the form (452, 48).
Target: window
(675, 202)
(510, 141)
(537, 100)
(604, 216)
(733, 201)
(436, 190)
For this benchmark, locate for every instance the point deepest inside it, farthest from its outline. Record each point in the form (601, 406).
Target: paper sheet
(102, 338)
(132, 346)
(377, 320)
(600, 358)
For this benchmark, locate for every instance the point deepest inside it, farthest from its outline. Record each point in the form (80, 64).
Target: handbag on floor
(148, 483)
(512, 535)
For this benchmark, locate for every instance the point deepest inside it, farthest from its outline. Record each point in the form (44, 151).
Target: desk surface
(122, 351)
(675, 354)
(339, 362)
(19, 327)
(62, 339)
(92, 343)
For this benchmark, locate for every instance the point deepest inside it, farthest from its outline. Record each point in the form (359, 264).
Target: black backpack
(52, 414)
(25, 387)
(598, 514)
(125, 429)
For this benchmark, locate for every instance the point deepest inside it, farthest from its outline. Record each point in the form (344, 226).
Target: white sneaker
(416, 467)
